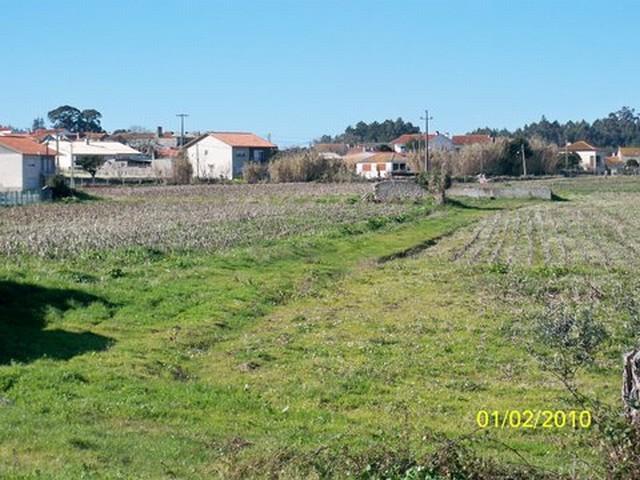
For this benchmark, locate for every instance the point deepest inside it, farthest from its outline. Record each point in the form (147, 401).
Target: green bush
(436, 182)
(58, 186)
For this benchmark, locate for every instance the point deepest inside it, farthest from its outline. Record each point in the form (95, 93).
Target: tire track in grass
(516, 234)
(477, 253)
(462, 252)
(502, 235)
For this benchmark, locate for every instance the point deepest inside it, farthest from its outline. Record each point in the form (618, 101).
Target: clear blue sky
(302, 68)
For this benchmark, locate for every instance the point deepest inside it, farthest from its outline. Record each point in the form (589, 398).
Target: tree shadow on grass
(454, 202)
(23, 311)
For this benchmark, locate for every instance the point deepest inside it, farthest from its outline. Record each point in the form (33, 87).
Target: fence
(24, 197)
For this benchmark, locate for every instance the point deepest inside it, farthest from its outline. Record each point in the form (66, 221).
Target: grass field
(299, 331)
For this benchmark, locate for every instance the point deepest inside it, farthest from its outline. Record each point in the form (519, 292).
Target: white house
(382, 165)
(591, 158)
(78, 149)
(24, 163)
(224, 154)
(437, 141)
(630, 156)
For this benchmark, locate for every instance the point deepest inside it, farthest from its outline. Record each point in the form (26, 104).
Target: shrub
(436, 182)
(59, 187)
(308, 166)
(182, 169)
(253, 172)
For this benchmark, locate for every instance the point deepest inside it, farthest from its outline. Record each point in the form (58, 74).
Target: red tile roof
(242, 139)
(410, 137)
(384, 157)
(168, 152)
(470, 139)
(613, 161)
(630, 151)
(25, 145)
(580, 146)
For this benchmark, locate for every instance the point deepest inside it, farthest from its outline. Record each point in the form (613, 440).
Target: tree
(91, 164)
(374, 132)
(182, 169)
(65, 117)
(90, 121)
(617, 128)
(74, 120)
(436, 182)
(38, 124)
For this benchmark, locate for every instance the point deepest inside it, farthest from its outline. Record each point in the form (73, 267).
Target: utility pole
(182, 116)
(524, 162)
(426, 118)
(72, 183)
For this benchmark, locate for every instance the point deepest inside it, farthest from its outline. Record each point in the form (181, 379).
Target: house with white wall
(76, 150)
(224, 154)
(382, 165)
(437, 141)
(24, 163)
(629, 156)
(591, 158)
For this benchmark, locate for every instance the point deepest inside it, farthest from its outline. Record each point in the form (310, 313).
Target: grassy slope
(166, 366)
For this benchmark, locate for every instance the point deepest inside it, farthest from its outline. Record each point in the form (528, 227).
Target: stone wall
(399, 190)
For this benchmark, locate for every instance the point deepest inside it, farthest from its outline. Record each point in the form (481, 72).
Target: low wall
(398, 190)
(487, 191)
(24, 197)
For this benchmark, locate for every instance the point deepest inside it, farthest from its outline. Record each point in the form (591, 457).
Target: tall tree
(90, 120)
(38, 124)
(621, 128)
(374, 132)
(74, 120)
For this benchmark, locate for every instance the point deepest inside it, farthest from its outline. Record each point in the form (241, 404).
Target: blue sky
(298, 69)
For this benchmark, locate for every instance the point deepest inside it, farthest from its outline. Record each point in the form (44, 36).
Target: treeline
(374, 132)
(621, 128)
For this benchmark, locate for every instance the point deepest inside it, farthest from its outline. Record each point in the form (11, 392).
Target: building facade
(24, 163)
(382, 165)
(224, 154)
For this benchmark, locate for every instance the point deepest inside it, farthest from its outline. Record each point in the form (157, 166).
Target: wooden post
(631, 386)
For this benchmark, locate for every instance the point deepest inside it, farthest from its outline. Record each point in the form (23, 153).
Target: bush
(500, 157)
(253, 172)
(308, 166)
(58, 186)
(182, 169)
(436, 182)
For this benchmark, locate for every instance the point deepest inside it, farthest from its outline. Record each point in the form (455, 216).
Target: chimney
(159, 132)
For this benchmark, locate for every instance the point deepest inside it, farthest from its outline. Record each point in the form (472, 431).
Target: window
(366, 167)
(382, 167)
(258, 155)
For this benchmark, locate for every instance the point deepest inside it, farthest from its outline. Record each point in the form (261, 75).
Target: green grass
(311, 356)
(141, 364)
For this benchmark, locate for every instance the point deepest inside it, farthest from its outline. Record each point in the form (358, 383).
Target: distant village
(27, 159)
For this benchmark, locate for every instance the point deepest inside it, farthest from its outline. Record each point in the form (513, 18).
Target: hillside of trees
(621, 128)
(374, 132)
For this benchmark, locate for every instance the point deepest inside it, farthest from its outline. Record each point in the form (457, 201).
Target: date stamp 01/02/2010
(534, 419)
